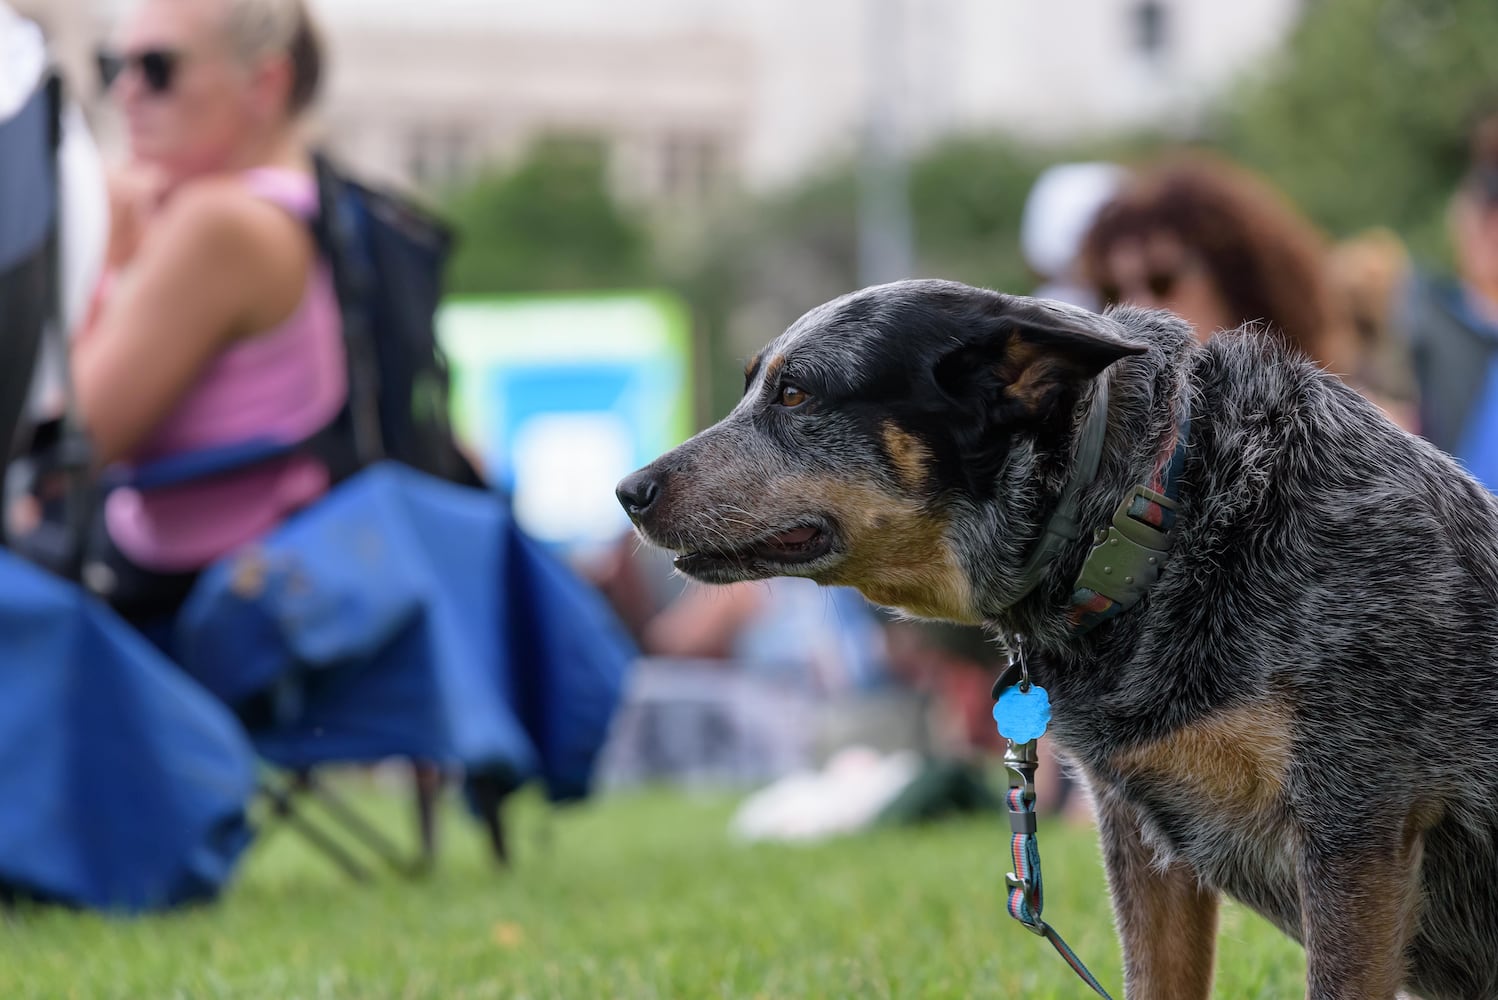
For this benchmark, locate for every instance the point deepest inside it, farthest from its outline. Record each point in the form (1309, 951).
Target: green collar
(1128, 556)
(1062, 528)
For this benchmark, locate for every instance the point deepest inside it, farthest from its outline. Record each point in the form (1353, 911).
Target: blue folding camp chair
(405, 616)
(123, 785)
(401, 616)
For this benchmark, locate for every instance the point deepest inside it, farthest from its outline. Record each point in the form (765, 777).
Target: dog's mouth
(773, 554)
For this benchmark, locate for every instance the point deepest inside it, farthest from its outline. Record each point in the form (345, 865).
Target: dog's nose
(637, 491)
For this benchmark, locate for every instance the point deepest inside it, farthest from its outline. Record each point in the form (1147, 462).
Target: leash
(1126, 559)
(1023, 711)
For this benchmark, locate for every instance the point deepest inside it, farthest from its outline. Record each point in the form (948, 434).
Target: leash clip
(1013, 882)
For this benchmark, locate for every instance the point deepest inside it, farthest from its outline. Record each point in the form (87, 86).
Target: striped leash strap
(1026, 896)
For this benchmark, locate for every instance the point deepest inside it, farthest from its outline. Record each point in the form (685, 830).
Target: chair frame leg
(289, 793)
(359, 828)
(489, 801)
(284, 804)
(428, 779)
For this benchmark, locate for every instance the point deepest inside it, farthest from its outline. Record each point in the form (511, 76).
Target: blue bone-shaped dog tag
(1023, 715)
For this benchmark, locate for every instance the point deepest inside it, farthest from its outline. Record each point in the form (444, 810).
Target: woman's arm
(215, 264)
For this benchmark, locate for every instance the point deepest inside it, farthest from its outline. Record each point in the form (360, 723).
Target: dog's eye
(790, 396)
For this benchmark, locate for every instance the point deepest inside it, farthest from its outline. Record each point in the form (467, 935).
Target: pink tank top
(281, 385)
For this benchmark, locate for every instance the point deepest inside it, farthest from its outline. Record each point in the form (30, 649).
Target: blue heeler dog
(1300, 712)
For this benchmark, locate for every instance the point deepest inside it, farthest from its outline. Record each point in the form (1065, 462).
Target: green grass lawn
(639, 895)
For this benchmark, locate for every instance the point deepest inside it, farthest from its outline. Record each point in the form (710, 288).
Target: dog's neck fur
(1145, 397)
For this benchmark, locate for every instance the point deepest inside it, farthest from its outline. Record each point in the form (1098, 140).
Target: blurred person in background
(827, 642)
(1219, 247)
(749, 682)
(1370, 274)
(214, 322)
(1453, 323)
(1058, 212)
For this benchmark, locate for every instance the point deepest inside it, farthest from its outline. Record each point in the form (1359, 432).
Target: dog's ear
(1029, 357)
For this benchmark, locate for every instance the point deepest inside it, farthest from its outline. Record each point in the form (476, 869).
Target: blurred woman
(1219, 247)
(1453, 319)
(216, 322)
(1372, 272)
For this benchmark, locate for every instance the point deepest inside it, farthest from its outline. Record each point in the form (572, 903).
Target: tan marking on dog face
(897, 554)
(772, 369)
(911, 457)
(749, 368)
(1235, 760)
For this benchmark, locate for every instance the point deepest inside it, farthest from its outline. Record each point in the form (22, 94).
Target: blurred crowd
(204, 316)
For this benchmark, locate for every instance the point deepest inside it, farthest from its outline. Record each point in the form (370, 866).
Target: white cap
(1060, 209)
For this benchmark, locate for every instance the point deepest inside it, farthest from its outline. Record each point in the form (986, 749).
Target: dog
(1300, 711)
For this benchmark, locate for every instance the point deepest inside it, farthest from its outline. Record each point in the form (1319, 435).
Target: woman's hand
(136, 193)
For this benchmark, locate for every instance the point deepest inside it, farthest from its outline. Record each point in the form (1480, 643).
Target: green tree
(762, 262)
(1363, 118)
(756, 263)
(966, 198)
(550, 224)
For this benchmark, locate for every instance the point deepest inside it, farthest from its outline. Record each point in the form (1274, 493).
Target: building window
(691, 167)
(1150, 24)
(437, 156)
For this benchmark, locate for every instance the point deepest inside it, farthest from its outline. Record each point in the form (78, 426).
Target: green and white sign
(561, 396)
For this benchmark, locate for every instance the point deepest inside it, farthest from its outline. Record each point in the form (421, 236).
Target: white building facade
(689, 96)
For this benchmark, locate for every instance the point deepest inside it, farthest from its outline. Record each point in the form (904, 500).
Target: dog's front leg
(1359, 909)
(1167, 922)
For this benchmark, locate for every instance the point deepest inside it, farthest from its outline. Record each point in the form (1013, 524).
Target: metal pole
(885, 243)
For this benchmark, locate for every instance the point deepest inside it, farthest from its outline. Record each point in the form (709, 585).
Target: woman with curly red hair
(1218, 246)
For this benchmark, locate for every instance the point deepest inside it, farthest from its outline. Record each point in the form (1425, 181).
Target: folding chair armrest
(205, 463)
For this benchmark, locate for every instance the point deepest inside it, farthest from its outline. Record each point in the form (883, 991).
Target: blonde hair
(258, 28)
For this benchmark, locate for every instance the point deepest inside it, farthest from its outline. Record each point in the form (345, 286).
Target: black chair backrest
(29, 299)
(388, 259)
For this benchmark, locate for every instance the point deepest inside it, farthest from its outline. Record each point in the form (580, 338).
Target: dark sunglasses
(1159, 283)
(1483, 181)
(157, 67)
